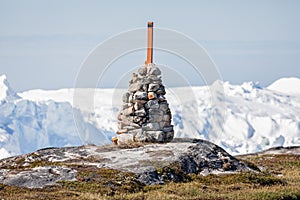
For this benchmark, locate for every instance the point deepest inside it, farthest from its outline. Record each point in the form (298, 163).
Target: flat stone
(137, 119)
(135, 125)
(155, 112)
(122, 131)
(144, 120)
(151, 126)
(145, 81)
(128, 111)
(135, 132)
(129, 127)
(141, 112)
(144, 88)
(153, 87)
(125, 139)
(154, 136)
(152, 104)
(134, 78)
(155, 79)
(122, 125)
(161, 90)
(126, 105)
(155, 118)
(161, 98)
(140, 137)
(164, 106)
(138, 105)
(139, 101)
(168, 128)
(134, 87)
(167, 118)
(140, 96)
(125, 97)
(163, 124)
(130, 99)
(169, 136)
(153, 70)
(126, 119)
(120, 116)
(142, 71)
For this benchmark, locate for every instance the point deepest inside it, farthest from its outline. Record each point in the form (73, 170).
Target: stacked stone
(145, 115)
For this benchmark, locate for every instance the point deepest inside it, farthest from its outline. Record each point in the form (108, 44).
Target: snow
(27, 125)
(247, 119)
(6, 92)
(4, 153)
(286, 85)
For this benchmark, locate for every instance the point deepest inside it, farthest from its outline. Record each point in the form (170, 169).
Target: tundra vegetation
(279, 179)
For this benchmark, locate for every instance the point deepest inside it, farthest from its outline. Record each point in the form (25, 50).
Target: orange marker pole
(150, 43)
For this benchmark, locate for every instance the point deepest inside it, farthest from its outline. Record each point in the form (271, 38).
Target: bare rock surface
(151, 163)
(37, 177)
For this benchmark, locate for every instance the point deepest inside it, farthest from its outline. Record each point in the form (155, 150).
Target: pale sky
(43, 43)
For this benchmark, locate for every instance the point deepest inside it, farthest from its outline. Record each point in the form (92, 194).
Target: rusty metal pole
(150, 44)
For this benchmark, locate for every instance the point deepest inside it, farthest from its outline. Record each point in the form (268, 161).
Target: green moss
(283, 195)
(173, 172)
(251, 165)
(104, 181)
(149, 188)
(86, 187)
(261, 179)
(251, 178)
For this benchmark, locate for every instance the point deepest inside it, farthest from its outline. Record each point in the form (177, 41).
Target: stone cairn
(145, 115)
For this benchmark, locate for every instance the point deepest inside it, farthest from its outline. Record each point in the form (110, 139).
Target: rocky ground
(182, 169)
(150, 164)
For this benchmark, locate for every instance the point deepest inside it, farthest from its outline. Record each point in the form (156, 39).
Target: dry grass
(279, 180)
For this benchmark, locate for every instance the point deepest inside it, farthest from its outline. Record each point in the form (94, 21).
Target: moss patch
(103, 181)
